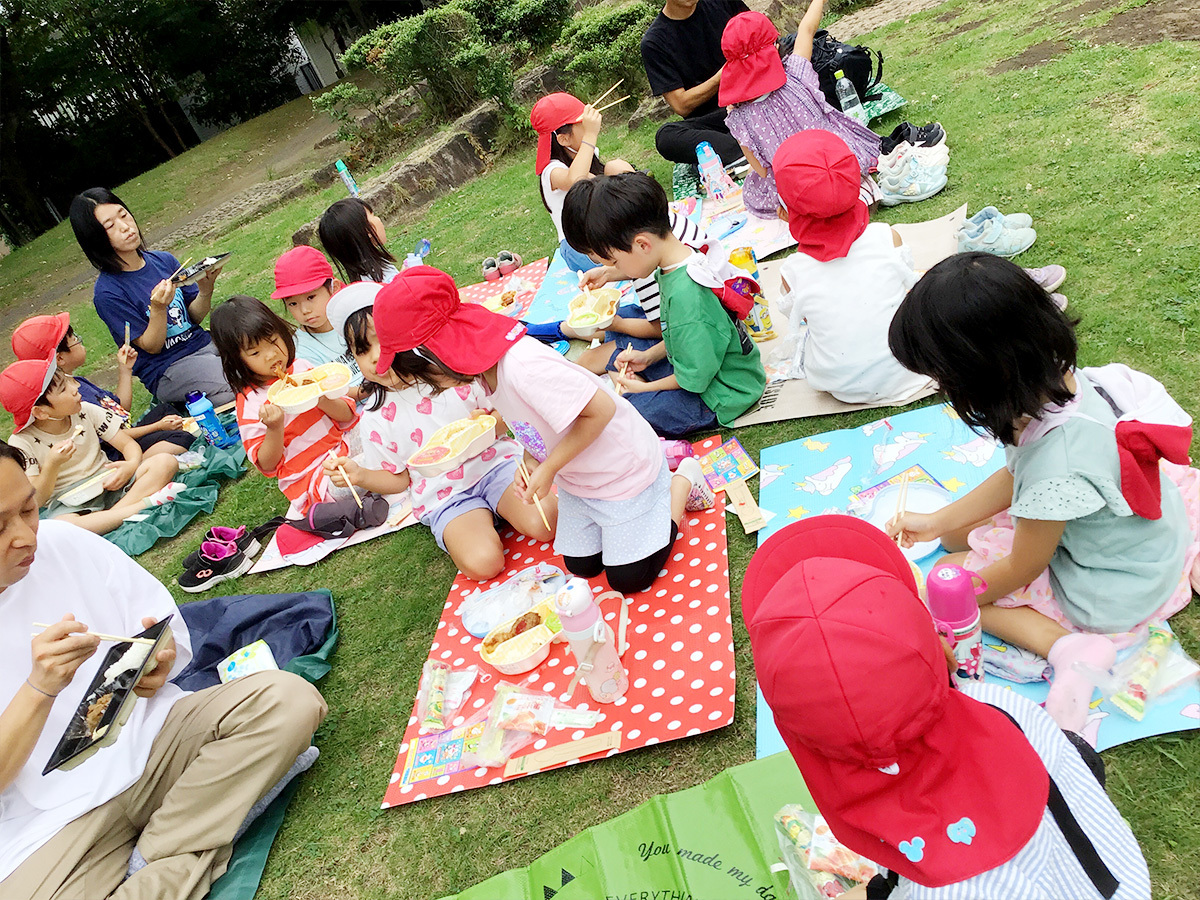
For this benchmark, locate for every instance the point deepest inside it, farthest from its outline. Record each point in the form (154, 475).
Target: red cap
(819, 179)
(548, 115)
(420, 307)
(299, 271)
(752, 64)
(908, 772)
(22, 384)
(40, 336)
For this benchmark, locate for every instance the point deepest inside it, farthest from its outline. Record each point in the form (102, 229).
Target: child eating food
(257, 351)
(619, 507)
(459, 506)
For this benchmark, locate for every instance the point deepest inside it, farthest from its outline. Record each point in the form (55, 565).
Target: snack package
(1153, 667)
(518, 716)
(483, 611)
(255, 657)
(442, 693)
(818, 865)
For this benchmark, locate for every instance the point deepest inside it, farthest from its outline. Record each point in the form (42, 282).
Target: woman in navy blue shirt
(175, 354)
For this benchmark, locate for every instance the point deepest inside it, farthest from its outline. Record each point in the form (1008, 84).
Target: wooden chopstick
(180, 269)
(901, 500)
(536, 501)
(349, 483)
(126, 334)
(116, 638)
(609, 91)
(612, 103)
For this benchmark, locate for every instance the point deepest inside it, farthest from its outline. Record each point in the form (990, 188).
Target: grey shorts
(623, 531)
(198, 371)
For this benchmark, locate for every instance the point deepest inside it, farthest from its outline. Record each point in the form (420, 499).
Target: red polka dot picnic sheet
(680, 657)
(528, 279)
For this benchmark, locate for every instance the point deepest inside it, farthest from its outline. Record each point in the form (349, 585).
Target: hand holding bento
(157, 675)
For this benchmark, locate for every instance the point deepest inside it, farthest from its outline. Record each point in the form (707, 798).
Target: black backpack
(829, 55)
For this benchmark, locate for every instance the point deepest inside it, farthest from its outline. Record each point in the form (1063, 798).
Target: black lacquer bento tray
(196, 270)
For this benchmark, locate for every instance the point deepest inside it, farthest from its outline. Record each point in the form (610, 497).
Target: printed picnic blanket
(679, 662)
(840, 471)
(525, 281)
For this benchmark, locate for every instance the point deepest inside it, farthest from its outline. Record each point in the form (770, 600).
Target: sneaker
(738, 169)
(508, 262)
(701, 495)
(913, 184)
(240, 537)
(993, 237)
(217, 562)
(929, 135)
(491, 269)
(1060, 301)
(1015, 220)
(1049, 278)
(927, 156)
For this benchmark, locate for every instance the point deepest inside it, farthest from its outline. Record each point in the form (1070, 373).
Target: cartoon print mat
(819, 474)
(765, 236)
(526, 281)
(679, 661)
(559, 287)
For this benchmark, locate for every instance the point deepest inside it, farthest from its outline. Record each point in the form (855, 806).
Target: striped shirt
(307, 440)
(1046, 868)
(688, 233)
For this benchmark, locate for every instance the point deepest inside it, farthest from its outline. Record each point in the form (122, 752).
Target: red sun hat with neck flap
(908, 771)
(22, 385)
(548, 115)
(39, 336)
(420, 307)
(752, 64)
(818, 179)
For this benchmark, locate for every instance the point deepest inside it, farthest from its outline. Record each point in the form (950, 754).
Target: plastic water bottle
(758, 322)
(592, 642)
(347, 178)
(848, 98)
(417, 257)
(950, 593)
(716, 181)
(201, 409)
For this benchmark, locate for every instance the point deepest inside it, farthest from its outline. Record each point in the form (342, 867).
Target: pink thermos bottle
(592, 642)
(950, 594)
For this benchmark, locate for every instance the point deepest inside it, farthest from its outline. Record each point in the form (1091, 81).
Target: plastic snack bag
(818, 865)
(485, 610)
(442, 693)
(1155, 666)
(518, 716)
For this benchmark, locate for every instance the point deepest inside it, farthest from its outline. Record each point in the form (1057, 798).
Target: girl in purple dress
(770, 99)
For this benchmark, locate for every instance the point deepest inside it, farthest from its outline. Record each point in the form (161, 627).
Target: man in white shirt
(185, 769)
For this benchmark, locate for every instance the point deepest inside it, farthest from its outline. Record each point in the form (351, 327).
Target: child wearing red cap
(159, 431)
(706, 369)
(619, 507)
(567, 130)
(846, 279)
(255, 346)
(62, 437)
(1088, 532)
(769, 100)
(960, 795)
(304, 282)
(459, 506)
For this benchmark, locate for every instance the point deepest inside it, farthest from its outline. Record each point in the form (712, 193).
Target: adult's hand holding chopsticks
(57, 653)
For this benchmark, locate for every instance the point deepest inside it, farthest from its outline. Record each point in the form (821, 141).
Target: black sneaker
(246, 541)
(925, 136)
(215, 562)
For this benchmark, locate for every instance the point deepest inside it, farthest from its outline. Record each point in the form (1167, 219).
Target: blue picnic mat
(824, 474)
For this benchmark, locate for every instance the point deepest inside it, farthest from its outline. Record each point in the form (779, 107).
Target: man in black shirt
(681, 52)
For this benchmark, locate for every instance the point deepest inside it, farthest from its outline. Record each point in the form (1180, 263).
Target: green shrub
(602, 44)
(527, 25)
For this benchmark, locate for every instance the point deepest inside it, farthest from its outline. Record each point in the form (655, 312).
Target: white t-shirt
(399, 428)
(848, 304)
(554, 199)
(328, 347)
(80, 573)
(540, 395)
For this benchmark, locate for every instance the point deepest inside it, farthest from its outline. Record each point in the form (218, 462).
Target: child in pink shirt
(619, 507)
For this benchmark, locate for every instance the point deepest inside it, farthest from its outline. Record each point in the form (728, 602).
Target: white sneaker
(897, 160)
(701, 495)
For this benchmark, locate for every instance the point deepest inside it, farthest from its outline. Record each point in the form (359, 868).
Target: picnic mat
(764, 236)
(200, 496)
(824, 474)
(525, 281)
(399, 516)
(715, 840)
(558, 287)
(679, 661)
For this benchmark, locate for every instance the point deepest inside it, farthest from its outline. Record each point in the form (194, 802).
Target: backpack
(830, 55)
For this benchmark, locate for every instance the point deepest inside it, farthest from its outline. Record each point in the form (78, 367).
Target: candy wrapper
(518, 716)
(442, 693)
(1152, 668)
(815, 860)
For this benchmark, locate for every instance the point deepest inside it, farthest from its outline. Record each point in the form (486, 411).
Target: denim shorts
(483, 494)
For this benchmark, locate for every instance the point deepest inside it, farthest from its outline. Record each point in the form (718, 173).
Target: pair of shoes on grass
(224, 553)
(503, 263)
(991, 231)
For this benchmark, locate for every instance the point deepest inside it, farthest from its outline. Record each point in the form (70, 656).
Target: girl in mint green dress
(1069, 564)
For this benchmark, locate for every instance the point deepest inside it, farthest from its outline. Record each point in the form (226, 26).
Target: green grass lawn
(1098, 144)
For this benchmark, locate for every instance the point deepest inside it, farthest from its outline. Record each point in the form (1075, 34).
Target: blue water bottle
(201, 409)
(347, 178)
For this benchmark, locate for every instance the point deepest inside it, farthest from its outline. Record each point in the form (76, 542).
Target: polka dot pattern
(680, 641)
(534, 273)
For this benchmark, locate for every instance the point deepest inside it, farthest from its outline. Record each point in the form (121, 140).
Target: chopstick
(116, 638)
(536, 501)
(612, 103)
(126, 334)
(609, 91)
(349, 483)
(176, 272)
(901, 500)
